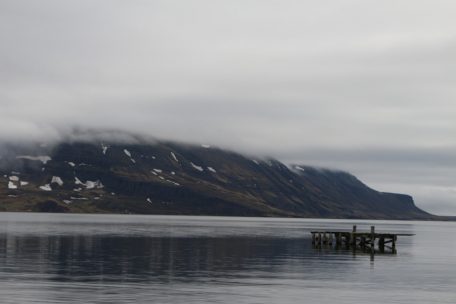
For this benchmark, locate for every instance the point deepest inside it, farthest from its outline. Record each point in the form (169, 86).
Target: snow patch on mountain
(89, 184)
(77, 181)
(42, 158)
(173, 182)
(174, 157)
(128, 153)
(94, 184)
(196, 167)
(104, 148)
(46, 187)
(57, 180)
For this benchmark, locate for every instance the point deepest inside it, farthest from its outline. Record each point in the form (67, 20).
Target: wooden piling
(381, 244)
(372, 237)
(353, 236)
(348, 241)
(362, 242)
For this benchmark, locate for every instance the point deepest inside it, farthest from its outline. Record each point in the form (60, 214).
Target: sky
(360, 85)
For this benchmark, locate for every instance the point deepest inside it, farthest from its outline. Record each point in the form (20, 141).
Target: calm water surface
(54, 258)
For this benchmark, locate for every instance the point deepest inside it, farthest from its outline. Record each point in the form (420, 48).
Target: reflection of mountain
(170, 178)
(87, 258)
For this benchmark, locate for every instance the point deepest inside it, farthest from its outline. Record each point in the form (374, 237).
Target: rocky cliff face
(171, 178)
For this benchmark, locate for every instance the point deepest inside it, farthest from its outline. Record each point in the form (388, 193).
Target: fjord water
(56, 258)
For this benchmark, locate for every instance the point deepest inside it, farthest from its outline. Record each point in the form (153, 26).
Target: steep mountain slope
(171, 178)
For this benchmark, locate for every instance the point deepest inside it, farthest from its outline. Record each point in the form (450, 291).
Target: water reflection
(84, 257)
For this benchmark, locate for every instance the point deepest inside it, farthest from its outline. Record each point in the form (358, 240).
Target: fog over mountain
(363, 86)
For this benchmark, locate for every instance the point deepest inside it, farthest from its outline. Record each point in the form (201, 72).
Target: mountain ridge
(164, 177)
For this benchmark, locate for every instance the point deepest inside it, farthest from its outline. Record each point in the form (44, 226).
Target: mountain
(171, 178)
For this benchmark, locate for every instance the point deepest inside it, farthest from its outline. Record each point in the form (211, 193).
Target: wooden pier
(366, 241)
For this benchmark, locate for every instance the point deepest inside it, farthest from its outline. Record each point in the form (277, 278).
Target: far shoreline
(437, 218)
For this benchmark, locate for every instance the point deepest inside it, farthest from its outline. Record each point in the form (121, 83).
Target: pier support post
(381, 244)
(353, 236)
(348, 240)
(338, 239)
(372, 236)
(362, 242)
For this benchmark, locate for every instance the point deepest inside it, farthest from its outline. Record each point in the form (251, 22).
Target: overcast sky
(364, 86)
